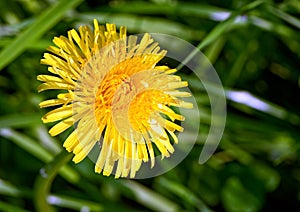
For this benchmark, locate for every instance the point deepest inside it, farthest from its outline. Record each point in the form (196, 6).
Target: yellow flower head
(116, 97)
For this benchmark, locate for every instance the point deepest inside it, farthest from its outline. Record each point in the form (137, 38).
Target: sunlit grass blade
(44, 22)
(285, 16)
(6, 188)
(149, 198)
(244, 98)
(73, 203)
(279, 29)
(46, 140)
(12, 191)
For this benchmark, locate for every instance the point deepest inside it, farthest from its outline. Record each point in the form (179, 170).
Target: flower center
(145, 107)
(107, 90)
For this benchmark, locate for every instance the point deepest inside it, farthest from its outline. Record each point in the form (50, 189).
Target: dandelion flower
(115, 96)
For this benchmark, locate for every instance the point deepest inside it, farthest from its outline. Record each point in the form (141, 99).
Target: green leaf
(44, 22)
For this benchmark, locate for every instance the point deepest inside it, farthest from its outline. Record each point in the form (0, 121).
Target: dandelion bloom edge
(117, 96)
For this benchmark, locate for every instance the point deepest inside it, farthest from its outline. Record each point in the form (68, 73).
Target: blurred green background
(253, 45)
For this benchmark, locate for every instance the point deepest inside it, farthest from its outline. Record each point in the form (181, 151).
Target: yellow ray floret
(116, 96)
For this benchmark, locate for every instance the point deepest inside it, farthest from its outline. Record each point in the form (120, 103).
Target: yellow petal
(54, 50)
(52, 60)
(109, 163)
(86, 135)
(84, 151)
(49, 78)
(120, 167)
(161, 148)
(104, 150)
(162, 139)
(173, 136)
(69, 95)
(52, 102)
(182, 104)
(61, 126)
(176, 93)
(169, 112)
(58, 114)
(55, 86)
(174, 85)
(171, 125)
(82, 154)
(142, 150)
(71, 142)
(149, 148)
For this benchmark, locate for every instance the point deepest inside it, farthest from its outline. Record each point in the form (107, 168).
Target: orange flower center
(107, 90)
(145, 106)
(129, 102)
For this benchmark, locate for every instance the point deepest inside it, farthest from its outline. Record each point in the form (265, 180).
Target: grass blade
(43, 23)
(19, 120)
(36, 150)
(183, 193)
(10, 208)
(150, 198)
(285, 16)
(73, 203)
(44, 181)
